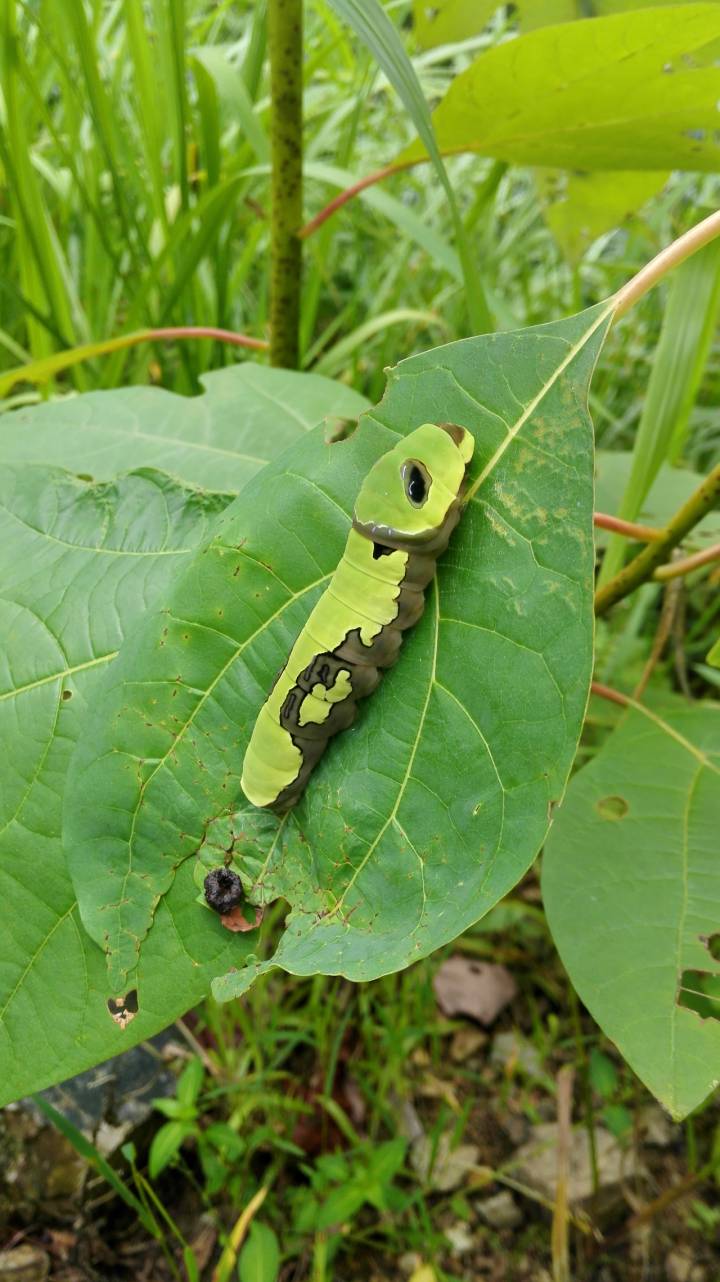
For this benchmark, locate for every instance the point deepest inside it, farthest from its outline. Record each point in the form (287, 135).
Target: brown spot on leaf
(236, 921)
(612, 807)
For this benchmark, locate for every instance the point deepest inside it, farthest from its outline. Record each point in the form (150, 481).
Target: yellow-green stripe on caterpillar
(406, 510)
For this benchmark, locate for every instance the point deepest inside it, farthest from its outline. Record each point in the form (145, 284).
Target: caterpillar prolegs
(407, 508)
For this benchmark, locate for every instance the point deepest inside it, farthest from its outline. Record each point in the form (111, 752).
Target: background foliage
(134, 192)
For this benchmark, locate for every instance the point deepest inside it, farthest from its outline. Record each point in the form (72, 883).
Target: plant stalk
(629, 529)
(674, 569)
(672, 256)
(643, 566)
(40, 371)
(286, 77)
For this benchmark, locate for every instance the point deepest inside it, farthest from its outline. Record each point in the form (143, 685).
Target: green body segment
(273, 761)
(404, 514)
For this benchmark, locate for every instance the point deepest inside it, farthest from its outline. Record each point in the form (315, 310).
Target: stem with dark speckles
(286, 79)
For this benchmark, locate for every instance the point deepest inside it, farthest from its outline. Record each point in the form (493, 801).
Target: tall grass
(134, 192)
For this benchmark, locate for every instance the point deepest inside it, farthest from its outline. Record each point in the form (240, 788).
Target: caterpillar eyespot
(417, 482)
(223, 890)
(405, 512)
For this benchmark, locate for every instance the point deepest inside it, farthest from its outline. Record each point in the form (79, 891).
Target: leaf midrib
(58, 676)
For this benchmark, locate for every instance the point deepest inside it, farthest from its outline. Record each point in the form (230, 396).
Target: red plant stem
(643, 533)
(350, 192)
(204, 331)
(674, 569)
(614, 696)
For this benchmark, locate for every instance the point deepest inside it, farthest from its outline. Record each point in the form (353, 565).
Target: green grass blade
(105, 122)
(255, 57)
(370, 22)
(235, 104)
(335, 359)
(404, 219)
(98, 1162)
(209, 120)
(42, 279)
(149, 110)
(180, 96)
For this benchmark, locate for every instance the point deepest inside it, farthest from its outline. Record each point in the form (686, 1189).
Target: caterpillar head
(411, 493)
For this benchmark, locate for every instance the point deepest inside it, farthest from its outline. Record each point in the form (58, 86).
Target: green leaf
(618, 1119)
(234, 102)
(190, 1082)
(341, 1204)
(394, 849)
(631, 885)
(79, 563)
(448, 21)
(632, 91)
(623, 6)
(602, 1073)
(248, 414)
(260, 1257)
(166, 1144)
(544, 13)
(580, 206)
(713, 656)
(671, 488)
(438, 22)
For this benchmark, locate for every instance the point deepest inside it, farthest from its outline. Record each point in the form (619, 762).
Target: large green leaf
(579, 206)
(631, 883)
(631, 91)
(450, 20)
(248, 414)
(80, 562)
(446, 21)
(423, 815)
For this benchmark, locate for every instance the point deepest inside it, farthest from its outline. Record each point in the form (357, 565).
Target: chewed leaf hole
(339, 429)
(123, 1009)
(700, 991)
(712, 943)
(612, 807)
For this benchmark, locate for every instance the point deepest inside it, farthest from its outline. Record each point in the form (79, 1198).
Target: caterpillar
(405, 512)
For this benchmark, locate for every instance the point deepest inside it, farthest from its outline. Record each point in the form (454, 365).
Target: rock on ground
(535, 1162)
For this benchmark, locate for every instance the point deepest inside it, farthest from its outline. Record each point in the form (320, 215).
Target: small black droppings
(223, 890)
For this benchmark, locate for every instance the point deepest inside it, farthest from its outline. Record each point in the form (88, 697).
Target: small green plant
(219, 1146)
